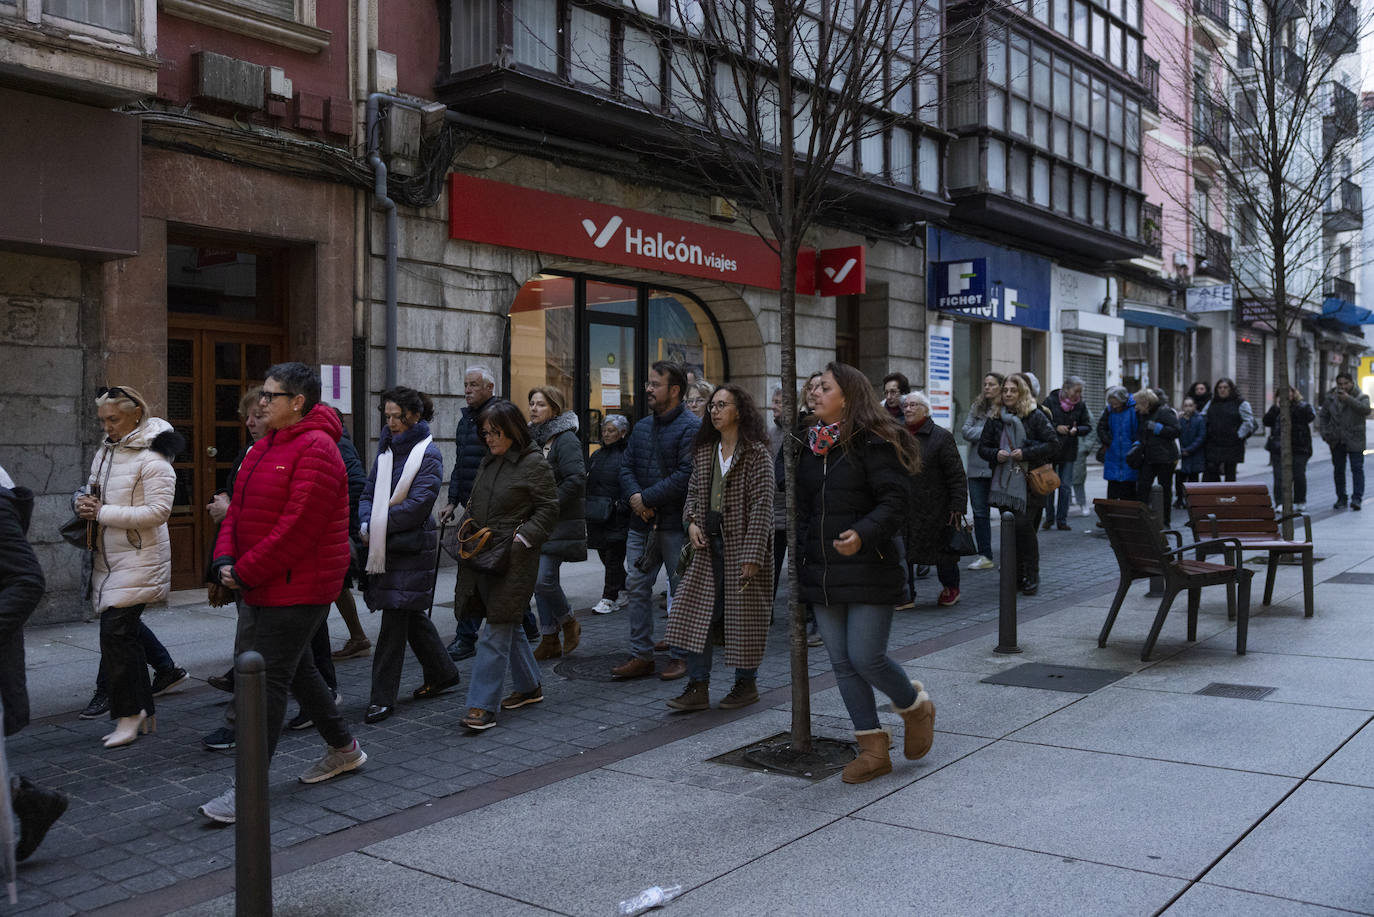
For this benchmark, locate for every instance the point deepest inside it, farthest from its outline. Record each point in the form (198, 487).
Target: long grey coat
(747, 523)
(513, 493)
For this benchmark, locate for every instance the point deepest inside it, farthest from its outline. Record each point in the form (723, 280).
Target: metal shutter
(1250, 373)
(1085, 356)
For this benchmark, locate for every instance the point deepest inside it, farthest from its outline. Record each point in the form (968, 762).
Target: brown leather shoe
(661, 646)
(548, 648)
(676, 668)
(634, 667)
(696, 696)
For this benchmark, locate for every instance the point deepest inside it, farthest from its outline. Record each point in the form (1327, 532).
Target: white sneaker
(1086, 511)
(335, 761)
(1300, 507)
(621, 601)
(604, 607)
(222, 808)
(983, 563)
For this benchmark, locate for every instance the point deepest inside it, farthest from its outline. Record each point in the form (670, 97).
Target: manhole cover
(1072, 679)
(775, 755)
(1353, 579)
(596, 668)
(1239, 692)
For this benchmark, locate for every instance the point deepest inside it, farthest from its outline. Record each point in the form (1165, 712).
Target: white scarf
(376, 526)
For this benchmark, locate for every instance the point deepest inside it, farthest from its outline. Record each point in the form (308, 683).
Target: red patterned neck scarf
(821, 438)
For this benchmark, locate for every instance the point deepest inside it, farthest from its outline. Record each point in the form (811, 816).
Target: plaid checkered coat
(747, 523)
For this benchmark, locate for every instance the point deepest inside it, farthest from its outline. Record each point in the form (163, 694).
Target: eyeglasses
(696, 401)
(113, 392)
(490, 434)
(268, 396)
(715, 406)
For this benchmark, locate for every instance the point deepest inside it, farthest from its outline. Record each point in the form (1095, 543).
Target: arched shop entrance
(595, 337)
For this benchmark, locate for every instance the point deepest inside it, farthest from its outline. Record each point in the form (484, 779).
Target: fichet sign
(509, 215)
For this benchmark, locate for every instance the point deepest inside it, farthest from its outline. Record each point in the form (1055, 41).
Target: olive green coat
(513, 494)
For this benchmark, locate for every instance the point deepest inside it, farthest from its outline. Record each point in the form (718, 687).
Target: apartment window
(1060, 191)
(643, 66)
(589, 49)
(1040, 181)
(115, 15)
(928, 168)
(1019, 179)
(290, 23)
(997, 165)
(900, 152)
(536, 34)
(871, 148)
(1061, 17)
(1247, 226)
(1080, 22)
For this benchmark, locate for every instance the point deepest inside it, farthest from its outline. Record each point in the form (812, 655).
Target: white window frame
(299, 33)
(142, 40)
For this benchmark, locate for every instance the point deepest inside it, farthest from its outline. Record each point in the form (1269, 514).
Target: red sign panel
(840, 271)
(502, 214)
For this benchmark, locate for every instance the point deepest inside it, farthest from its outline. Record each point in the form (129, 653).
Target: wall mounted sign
(840, 271)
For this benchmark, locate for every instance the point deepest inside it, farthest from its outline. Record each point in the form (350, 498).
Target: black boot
(36, 808)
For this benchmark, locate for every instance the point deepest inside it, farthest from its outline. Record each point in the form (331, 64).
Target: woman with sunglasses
(129, 496)
(728, 583)
(511, 511)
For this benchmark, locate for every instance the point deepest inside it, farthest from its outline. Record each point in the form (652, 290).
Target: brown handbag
(482, 549)
(1043, 481)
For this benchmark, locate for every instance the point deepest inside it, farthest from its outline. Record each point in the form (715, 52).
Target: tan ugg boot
(873, 760)
(548, 648)
(920, 724)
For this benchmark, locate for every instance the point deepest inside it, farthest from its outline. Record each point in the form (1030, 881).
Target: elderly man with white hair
(479, 390)
(939, 493)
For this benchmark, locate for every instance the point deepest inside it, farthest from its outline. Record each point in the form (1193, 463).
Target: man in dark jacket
(653, 479)
(1341, 422)
(21, 586)
(1069, 416)
(479, 386)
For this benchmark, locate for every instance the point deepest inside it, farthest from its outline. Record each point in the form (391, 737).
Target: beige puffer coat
(133, 558)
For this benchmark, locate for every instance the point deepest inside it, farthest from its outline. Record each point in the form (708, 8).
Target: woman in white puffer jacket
(130, 494)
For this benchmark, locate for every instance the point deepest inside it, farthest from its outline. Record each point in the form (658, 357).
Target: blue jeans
(978, 491)
(549, 597)
(1338, 459)
(856, 638)
(1065, 493)
(639, 586)
(500, 646)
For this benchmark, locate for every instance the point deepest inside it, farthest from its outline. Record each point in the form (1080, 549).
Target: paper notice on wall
(336, 386)
(610, 375)
(940, 372)
(610, 397)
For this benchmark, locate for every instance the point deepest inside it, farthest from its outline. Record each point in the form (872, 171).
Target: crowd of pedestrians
(695, 490)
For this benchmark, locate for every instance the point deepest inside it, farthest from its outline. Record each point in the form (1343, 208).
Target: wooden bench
(1244, 512)
(1142, 550)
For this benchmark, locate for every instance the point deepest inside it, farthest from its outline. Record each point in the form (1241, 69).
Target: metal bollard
(253, 830)
(1006, 601)
(1157, 507)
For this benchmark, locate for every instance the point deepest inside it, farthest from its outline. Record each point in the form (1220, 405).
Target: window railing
(1338, 288)
(1152, 229)
(1149, 78)
(1344, 209)
(1340, 34)
(1218, 11)
(1214, 260)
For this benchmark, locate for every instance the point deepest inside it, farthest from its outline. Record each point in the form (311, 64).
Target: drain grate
(1352, 579)
(1073, 679)
(1238, 692)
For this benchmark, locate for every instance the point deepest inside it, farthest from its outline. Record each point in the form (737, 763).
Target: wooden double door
(208, 370)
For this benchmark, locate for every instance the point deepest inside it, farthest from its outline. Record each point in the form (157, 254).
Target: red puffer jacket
(287, 529)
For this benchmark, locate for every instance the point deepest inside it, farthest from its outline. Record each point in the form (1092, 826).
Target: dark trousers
(1182, 478)
(322, 657)
(466, 632)
(122, 655)
(1121, 490)
(398, 629)
(1339, 454)
(1027, 545)
(1217, 471)
(283, 635)
(1299, 479)
(613, 559)
(153, 651)
(1149, 474)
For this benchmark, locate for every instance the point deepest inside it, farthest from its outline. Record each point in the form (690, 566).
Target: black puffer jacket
(469, 450)
(861, 486)
(557, 439)
(1077, 420)
(21, 586)
(1160, 448)
(603, 480)
(1041, 445)
(1302, 415)
(941, 488)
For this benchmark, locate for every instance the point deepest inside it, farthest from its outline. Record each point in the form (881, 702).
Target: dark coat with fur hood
(557, 439)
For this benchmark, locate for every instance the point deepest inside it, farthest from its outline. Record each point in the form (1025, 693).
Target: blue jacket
(660, 475)
(1117, 431)
(1192, 433)
(468, 452)
(408, 582)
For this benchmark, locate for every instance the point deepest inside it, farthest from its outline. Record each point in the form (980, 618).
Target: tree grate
(1238, 692)
(774, 755)
(598, 668)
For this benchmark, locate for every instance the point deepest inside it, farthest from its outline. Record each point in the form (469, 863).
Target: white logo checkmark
(842, 273)
(606, 231)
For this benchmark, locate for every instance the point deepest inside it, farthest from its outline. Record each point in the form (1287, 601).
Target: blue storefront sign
(988, 282)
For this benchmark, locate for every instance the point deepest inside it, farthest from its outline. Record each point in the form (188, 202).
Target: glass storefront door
(595, 340)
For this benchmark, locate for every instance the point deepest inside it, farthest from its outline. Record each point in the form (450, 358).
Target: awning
(1158, 320)
(1347, 313)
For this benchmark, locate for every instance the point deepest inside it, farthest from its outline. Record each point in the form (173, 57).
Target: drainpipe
(374, 156)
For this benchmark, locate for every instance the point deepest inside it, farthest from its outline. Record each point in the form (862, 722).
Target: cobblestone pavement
(133, 828)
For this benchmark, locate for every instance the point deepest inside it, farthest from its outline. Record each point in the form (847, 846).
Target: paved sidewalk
(625, 800)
